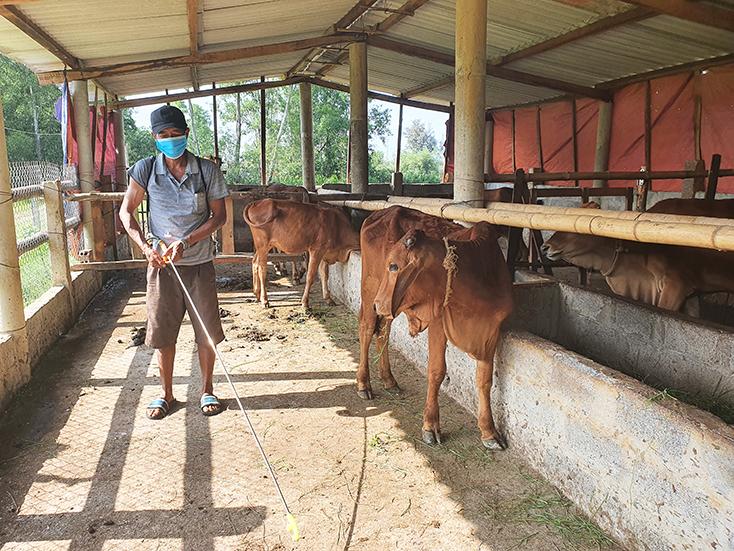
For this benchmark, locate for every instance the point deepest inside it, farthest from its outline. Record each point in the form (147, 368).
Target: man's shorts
(167, 304)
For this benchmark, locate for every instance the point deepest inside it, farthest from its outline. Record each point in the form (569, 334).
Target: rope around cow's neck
(449, 264)
(618, 249)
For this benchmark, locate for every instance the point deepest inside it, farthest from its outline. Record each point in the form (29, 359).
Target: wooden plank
(648, 125)
(167, 98)
(539, 137)
(698, 12)
(241, 258)
(228, 228)
(15, 16)
(203, 58)
(713, 177)
(591, 29)
(665, 71)
(192, 13)
(574, 138)
(408, 8)
(346, 20)
(498, 72)
(384, 97)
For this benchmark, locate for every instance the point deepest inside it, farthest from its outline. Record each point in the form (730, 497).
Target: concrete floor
(82, 468)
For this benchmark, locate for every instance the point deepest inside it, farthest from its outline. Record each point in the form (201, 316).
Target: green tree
(420, 167)
(31, 128)
(201, 134)
(418, 137)
(139, 141)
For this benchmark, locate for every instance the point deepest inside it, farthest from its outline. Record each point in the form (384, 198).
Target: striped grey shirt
(178, 208)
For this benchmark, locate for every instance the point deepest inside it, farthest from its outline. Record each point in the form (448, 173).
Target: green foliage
(23, 100)
(201, 134)
(421, 167)
(380, 171)
(139, 141)
(419, 137)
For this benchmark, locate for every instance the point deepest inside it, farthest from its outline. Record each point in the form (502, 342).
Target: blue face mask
(172, 148)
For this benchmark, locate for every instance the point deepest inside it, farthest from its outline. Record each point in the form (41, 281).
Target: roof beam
(167, 98)
(433, 85)
(408, 8)
(25, 24)
(698, 12)
(192, 13)
(202, 58)
(598, 26)
(665, 71)
(498, 72)
(602, 7)
(348, 19)
(382, 97)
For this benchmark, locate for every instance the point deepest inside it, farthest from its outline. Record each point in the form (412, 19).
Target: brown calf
(446, 278)
(325, 233)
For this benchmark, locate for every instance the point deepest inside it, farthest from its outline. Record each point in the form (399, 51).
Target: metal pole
(359, 160)
(309, 176)
(470, 83)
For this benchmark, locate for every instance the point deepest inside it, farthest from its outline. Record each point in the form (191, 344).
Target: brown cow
(661, 275)
(295, 228)
(457, 287)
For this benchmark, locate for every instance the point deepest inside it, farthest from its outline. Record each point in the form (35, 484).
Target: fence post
(14, 370)
(228, 228)
(57, 242)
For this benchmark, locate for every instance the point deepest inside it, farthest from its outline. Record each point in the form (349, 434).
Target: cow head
(404, 262)
(585, 251)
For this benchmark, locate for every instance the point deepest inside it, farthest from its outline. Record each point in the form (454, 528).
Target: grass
(35, 273)
(550, 510)
(713, 403)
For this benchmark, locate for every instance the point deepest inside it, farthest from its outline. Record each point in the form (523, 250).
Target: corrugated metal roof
(109, 31)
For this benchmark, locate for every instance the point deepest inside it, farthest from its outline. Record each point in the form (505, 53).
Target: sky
(435, 120)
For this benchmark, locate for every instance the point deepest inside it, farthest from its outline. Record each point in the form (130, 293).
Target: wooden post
(359, 160)
(512, 144)
(695, 184)
(399, 145)
(308, 172)
(215, 119)
(697, 110)
(470, 77)
(12, 314)
(57, 243)
(489, 146)
(520, 194)
(648, 125)
(91, 215)
(574, 138)
(120, 150)
(603, 140)
(228, 228)
(539, 137)
(94, 125)
(263, 132)
(713, 177)
(643, 187)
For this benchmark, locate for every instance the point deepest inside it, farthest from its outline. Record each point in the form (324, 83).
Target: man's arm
(216, 221)
(133, 197)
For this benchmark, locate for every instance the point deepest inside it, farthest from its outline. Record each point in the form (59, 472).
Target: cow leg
(261, 260)
(313, 266)
(383, 339)
(490, 437)
(324, 277)
(255, 278)
(368, 320)
(436, 373)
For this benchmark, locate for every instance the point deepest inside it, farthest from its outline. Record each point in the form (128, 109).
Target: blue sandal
(210, 400)
(161, 404)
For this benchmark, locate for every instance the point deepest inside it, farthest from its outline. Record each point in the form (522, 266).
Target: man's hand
(154, 258)
(174, 251)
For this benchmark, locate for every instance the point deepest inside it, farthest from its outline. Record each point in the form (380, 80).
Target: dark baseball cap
(165, 117)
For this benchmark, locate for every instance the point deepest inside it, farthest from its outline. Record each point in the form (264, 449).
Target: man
(185, 203)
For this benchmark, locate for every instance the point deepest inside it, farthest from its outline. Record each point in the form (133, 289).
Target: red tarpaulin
(110, 151)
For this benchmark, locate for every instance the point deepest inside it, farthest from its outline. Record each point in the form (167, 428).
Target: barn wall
(672, 115)
(654, 472)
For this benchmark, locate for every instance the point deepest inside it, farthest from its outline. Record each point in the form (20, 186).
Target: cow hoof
(365, 394)
(494, 444)
(266, 304)
(394, 390)
(330, 302)
(431, 437)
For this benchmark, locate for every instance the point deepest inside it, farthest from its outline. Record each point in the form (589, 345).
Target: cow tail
(250, 222)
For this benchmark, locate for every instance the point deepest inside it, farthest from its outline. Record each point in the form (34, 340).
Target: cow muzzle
(383, 308)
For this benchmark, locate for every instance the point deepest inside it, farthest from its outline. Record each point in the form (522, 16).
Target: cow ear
(411, 239)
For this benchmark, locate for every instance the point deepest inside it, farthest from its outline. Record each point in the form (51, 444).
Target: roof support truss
(698, 12)
(192, 13)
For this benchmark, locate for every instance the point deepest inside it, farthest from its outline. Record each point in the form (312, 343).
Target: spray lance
(292, 526)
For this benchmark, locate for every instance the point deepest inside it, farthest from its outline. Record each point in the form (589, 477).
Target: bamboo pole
(710, 233)
(308, 173)
(263, 136)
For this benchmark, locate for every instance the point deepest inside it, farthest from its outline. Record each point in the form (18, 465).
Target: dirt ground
(81, 467)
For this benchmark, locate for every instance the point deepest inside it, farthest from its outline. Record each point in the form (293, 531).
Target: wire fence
(29, 211)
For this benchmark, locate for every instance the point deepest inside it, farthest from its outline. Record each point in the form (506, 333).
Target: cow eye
(393, 267)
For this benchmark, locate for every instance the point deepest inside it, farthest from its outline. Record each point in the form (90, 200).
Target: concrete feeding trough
(573, 393)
